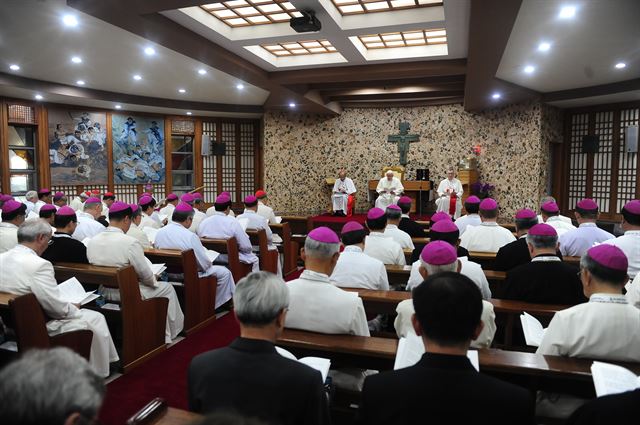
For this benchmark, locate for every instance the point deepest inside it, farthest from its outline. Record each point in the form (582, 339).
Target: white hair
(32, 194)
(259, 297)
(320, 250)
(542, 241)
(31, 229)
(433, 269)
(90, 205)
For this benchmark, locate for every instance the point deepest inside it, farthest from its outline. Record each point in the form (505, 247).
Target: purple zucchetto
(404, 200)
(587, 204)
(10, 206)
(351, 226)
(66, 211)
(525, 214)
(438, 253)
(609, 256)
(550, 207)
(58, 195)
(145, 200)
(48, 207)
(323, 234)
(632, 207)
(488, 204)
(93, 200)
(44, 191)
(444, 226)
(118, 206)
(375, 213)
(542, 229)
(226, 193)
(440, 215)
(187, 197)
(184, 207)
(394, 207)
(473, 199)
(172, 197)
(197, 195)
(5, 198)
(134, 207)
(222, 199)
(250, 199)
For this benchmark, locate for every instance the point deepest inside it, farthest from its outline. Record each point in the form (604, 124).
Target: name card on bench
(411, 349)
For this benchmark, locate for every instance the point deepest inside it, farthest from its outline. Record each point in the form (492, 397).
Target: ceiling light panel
(243, 13)
(358, 7)
(299, 48)
(404, 39)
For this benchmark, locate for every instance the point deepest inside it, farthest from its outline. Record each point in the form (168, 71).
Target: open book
(613, 379)
(151, 233)
(278, 219)
(71, 291)
(212, 255)
(163, 217)
(411, 349)
(156, 268)
(318, 363)
(532, 329)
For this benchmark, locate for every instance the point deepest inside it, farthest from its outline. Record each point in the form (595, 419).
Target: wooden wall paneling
(42, 152)
(602, 161)
(198, 160)
(259, 158)
(615, 165)
(238, 164)
(109, 148)
(4, 149)
(219, 158)
(167, 154)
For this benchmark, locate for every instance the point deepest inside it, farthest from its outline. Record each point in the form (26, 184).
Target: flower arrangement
(482, 190)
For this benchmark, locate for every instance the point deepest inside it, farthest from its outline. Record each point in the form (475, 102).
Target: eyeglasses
(50, 242)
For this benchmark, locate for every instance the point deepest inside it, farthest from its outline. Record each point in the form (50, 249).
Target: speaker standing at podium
(450, 195)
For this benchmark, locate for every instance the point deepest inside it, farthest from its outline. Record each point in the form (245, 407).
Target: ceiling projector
(306, 23)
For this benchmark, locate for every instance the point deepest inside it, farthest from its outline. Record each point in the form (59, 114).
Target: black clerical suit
(65, 249)
(250, 377)
(442, 389)
(544, 282)
(514, 254)
(414, 229)
(618, 409)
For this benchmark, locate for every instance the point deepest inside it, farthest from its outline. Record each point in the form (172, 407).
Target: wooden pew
(157, 412)
(300, 225)
(199, 292)
(143, 321)
(289, 249)
(229, 247)
(268, 259)
(420, 241)
(30, 325)
(398, 275)
(407, 255)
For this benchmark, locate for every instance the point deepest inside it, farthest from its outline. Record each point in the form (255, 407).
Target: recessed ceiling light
(202, 71)
(496, 96)
(567, 12)
(137, 77)
(118, 106)
(76, 59)
(149, 51)
(239, 86)
(182, 91)
(621, 65)
(70, 21)
(529, 69)
(14, 67)
(80, 82)
(544, 46)
(188, 112)
(38, 97)
(292, 105)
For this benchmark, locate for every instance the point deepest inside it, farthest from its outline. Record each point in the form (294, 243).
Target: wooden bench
(398, 275)
(143, 321)
(300, 225)
(30, 325)
(229, 247)
(289, 249)
(156, 412)
(199, 292)
(268, 258)
(420, 241)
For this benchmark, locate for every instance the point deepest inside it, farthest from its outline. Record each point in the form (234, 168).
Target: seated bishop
(517, 252)
(394, 214)
(377, 244)
(88, 224)
(342, 197)
(389, 190)
(64, 248)
(257, 222)
(413, 229)
(629, 243)
(134, 230)
(550, 214)
(114, 248)
(450, 195)
(489, 236)
(576, 242)
(471, 218)
(14, 214)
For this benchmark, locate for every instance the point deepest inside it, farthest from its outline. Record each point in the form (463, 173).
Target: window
(22, 158)
(182, 163)
(240, 13)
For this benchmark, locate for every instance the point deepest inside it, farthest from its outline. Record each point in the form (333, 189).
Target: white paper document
(411, 349)
(151, 233)
(278, 219)
(318, 363)
(156, 268)
(532, 329)
(212, 255)
(162, 217)
(72, 291)
(613, 379)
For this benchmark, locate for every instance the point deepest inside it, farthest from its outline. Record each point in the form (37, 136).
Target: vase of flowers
(482, 190)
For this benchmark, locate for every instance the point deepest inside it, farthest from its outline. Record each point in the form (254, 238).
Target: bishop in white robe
(448, 188)
(342, 189)
(389, 190)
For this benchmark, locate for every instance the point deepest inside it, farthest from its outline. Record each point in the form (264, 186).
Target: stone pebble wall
(301, 151)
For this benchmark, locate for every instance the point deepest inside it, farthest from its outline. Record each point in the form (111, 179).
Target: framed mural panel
(138, 149)
(77, 147)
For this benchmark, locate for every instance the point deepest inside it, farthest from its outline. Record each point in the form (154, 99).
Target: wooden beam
(404, 104)
(603, 89)
(399, 96)
(459, 86)
(339, 85)
(144, 7)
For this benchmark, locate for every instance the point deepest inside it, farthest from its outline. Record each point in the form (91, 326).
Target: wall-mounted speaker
(205, 145)
(631, 139)
(590, 144)
(218, 149)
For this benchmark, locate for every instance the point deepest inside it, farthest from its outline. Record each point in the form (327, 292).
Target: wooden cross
(403, 139)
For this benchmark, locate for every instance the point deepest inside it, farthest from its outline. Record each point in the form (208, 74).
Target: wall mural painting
(77, 147)
(138, 149)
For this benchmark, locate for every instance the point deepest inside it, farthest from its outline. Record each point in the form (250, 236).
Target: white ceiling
(454, 17)
(32, 35)
(583, 50)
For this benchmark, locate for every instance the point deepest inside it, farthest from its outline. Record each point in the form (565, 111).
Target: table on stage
(414, 189)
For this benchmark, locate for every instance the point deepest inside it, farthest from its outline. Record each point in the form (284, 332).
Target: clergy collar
(377, 234)
(489, 223)
(114, 229)
(587, 225)
(554, 218)
(632, 232)
(254, 345)
(219, 213)
(523, 236)
(316, 276)
(8, 225)
(545, 258)
(446, 361)
(608, 298)
(84, 214)
(405, 216)
(352, 248)
(61, 235)
(246, 211)
(391, 226)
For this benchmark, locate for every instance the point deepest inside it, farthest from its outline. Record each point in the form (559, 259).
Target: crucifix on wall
(403, 139)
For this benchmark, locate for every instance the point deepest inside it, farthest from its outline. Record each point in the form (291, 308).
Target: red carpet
(165, 375)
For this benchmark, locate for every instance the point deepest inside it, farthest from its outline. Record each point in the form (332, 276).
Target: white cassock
(633, 291)
(259, 222)
(8, 236)
(385, 249)
(561, 226)
(468, 268)
(135, 232)
(176, 236)
(486, 237)
(212, 210)
(23, 272)
(467, 220)
(112, 248)
(400, 236)
(355, 269)
(629, 243)
(88, 226)
(267, 212)
(605, 328)
(148, 221)
(77, 204)
(384, 189)
(445, 189)
(30, 206)
(168, 211)
(341, 191)
(197, 219)
(318, 306)
(562, 217)
(405, 310)
(37, 206)
(221, 226)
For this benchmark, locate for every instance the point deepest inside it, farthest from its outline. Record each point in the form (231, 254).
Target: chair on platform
(398, 171)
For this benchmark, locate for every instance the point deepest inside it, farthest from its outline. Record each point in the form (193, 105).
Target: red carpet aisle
(165, 375)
